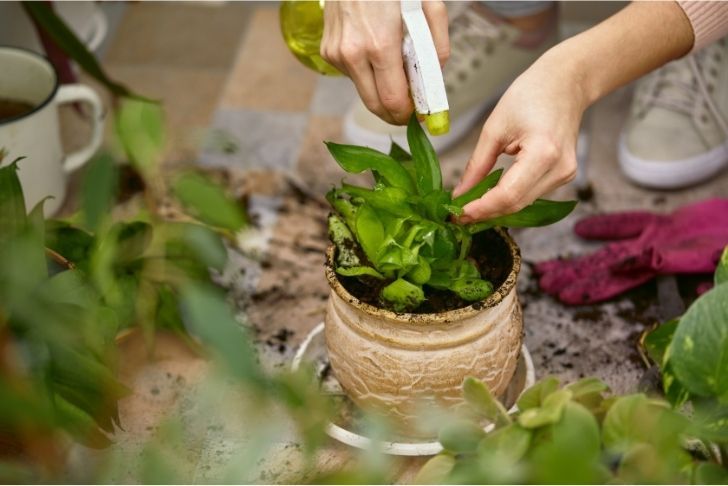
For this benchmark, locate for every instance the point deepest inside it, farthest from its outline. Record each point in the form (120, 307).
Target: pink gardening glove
(690, 240)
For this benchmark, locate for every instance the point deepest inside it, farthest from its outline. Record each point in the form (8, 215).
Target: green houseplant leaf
(12, 204)
(358, 159)
(208, 202)
(699, 350)
(403, 295)
(479, 189)
(541, 213)
(721, 272)
(478, 396)
(42, 13)
(427, 167)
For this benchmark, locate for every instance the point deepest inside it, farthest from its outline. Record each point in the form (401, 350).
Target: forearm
(640, 38)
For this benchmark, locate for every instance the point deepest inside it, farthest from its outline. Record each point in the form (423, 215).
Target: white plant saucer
(313, 350)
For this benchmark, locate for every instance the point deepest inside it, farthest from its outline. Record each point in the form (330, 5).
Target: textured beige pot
(393, 362)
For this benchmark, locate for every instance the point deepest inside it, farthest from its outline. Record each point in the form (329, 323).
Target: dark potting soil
(489, 251)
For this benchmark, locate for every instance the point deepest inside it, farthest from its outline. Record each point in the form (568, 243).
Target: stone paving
(269, 123)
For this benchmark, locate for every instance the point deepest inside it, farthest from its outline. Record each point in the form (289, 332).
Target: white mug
(35, 134)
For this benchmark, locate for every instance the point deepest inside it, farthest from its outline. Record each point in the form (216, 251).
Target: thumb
(436, 14)
(481, 162)
(614, 226)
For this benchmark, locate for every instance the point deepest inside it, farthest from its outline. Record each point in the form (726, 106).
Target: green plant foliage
(44, 15)
(99, 190)
(627, 439)
(482, 402)
(403, 223)
(139, 127)
(208, 202)
(699, 350)
(721, 272)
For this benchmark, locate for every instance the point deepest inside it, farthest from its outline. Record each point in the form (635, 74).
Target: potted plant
(419, 302)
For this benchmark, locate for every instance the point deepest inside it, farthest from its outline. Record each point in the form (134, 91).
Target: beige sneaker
(677, 133)
(486, 55)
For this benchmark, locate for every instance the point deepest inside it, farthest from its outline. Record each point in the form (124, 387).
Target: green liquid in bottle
(302, 25)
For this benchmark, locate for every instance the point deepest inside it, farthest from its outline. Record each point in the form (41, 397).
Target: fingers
(484, 156)
(364, 41)
(391, 83)
(540, 167)
(436, 14)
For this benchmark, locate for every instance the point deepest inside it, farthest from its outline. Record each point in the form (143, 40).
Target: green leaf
(343, 239)
(472, 289)
(699, 350)
(132, 240)
(207, 245)
(569, 450)
(398, 153)
(710, 420)
(421, 273)
(435, 470)
(358, 159)
(80, 424)
(541, 213)
(71, 287)
(434, 205)
(358, 272)
(710, 473)
(390, 199)
(140, 129)
(548, 413)
(12, 205)
(208, 202)
(207, 315)
(721, 271)
(427, 167)
(635, 418)
(72, 243)
(535, 395)
(658, 340)
(586, 386)
(43, 15)
(479, 189)
(480, 399)
(369, 232)
(403, 295)
(461, 437)
(98, 191)
(508, 444)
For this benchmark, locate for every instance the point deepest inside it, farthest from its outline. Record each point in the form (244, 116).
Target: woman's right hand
(363, 39)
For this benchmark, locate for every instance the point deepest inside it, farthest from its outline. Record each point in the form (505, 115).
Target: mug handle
(72, 93)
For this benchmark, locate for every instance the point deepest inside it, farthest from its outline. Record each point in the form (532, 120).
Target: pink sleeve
(709, 20)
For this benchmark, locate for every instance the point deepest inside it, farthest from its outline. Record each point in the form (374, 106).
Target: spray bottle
(302, 24)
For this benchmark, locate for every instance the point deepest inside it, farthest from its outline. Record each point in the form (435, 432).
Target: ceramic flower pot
(391, 362)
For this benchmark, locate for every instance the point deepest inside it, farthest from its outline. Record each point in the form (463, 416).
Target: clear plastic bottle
(302, 25)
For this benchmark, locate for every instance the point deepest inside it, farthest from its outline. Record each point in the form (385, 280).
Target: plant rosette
(419, 302)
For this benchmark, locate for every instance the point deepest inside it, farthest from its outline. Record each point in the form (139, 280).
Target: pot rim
(452, 315)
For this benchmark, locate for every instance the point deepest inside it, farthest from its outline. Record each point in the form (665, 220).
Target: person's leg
(491, 44)
(677, 131)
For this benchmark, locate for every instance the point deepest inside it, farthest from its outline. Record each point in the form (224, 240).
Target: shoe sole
(672, 174)
(460, 127)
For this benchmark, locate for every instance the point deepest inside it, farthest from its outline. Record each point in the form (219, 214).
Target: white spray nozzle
(423, 68)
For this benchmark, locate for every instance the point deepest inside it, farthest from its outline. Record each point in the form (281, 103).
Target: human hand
(363, 39)
(537, 120)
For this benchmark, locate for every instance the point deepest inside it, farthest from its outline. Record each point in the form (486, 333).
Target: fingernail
(456, 191)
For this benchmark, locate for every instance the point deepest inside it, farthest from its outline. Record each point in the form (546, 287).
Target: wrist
(564, 65)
